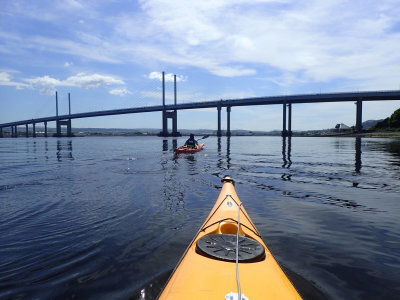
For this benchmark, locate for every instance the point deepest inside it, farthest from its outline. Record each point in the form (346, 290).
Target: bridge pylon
(169, 114)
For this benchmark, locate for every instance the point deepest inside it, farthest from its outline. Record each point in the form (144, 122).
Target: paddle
(204, 137)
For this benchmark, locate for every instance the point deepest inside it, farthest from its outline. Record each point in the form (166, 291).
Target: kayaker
(191, 142)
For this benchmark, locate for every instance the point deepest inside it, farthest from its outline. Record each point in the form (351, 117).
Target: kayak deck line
(232, 219)
(232, 243)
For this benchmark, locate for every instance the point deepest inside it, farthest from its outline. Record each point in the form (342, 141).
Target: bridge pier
(228, 121)
(288, 108)
(359, 116)
(45, 129)
(34, 129)
(284, 132)
(290, 119)
(170, 115)
(16, 131)
(219, 121)
(26, 130)
(1, 132)
(63, 123)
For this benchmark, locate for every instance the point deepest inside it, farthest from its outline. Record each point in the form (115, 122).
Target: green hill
(392, 123)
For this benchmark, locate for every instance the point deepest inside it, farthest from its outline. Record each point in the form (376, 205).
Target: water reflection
(286, 155)
(46, 149)
(220, 162)
(172, 188)
(221, 158)
(165, 144)
(394, 149)
(358, 155)
(174, 144)
(228, 152)
(64, 149)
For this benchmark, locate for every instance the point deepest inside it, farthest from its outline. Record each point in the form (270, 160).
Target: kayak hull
(198, 276)
(183, 149)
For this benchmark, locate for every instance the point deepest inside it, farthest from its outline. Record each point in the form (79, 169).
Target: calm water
(102, 218)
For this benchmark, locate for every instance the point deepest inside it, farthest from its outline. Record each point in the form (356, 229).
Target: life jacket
(191, 143)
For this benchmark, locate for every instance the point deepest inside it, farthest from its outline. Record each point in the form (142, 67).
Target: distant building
(342, 128)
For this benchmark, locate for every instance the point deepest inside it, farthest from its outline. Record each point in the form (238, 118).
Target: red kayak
(184, 149)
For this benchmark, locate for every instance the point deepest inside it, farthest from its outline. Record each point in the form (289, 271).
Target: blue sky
(109, 54)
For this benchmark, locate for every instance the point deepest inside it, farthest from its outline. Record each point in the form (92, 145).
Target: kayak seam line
(237, 255)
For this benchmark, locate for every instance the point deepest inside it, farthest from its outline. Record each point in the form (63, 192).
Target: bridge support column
(16, 131)
(359, 116)
(164, 131)
(284, 132)
(228, 121)
(1, 132)
(58, 127)
(34, 130)
(64, 123)
(45, 129)
(69, 128)
(219, 121)
(170, 115)
(290, 119)
(175, 124)
(26, 130)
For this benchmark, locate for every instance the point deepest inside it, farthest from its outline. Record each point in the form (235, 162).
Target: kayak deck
(198, 275)
(183, 149)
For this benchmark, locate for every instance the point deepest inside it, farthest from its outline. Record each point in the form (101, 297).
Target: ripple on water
(103, 217)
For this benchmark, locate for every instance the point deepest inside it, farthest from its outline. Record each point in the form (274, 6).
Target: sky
(110, 54)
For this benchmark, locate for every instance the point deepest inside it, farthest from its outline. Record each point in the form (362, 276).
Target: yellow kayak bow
(212, 268)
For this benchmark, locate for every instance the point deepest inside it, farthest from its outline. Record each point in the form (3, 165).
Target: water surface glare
(102, 217)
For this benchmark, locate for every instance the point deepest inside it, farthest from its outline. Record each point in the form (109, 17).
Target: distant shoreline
(372, 134)
(99, 132)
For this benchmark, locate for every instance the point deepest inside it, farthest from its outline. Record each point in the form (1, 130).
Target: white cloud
(90, 81)
(307, 42)
(119, 92)
(169, 77)
(321, 41)
(48, 84)
(231, 72)
(68, 64)
(6, 80)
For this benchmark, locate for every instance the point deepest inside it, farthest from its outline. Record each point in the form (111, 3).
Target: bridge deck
(293, 99)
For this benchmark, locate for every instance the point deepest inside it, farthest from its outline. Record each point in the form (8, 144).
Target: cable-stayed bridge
(171, 110)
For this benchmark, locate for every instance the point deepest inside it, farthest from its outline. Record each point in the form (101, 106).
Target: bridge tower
(64, 122)
(169, 114)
